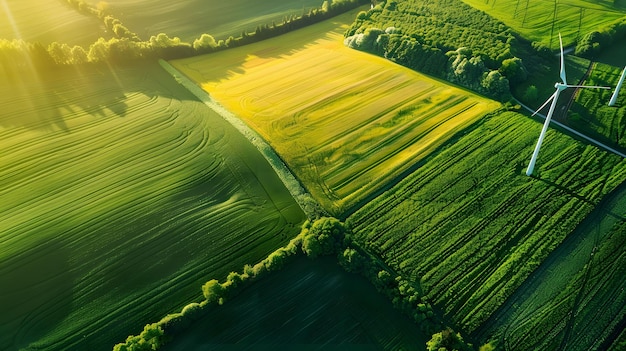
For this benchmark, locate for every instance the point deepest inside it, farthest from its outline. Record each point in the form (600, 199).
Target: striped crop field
(308, 305)
(591, 112)
(470, 226)
(540, 20)
(346, 122)
(120, 195)
(189, 19)
(46, 22)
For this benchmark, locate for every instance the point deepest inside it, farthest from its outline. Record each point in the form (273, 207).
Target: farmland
(311, 305)
(583, 305)
(533, 19)
(331, 133)
(591, 111)
(120, 194)
(47, 22)
(189, 19)
(471, 227)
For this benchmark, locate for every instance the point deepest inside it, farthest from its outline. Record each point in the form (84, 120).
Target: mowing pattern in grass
(189, 19)
(534, 18)
(471, 227)
(46, 22)
(309, 305)
(591, 111)
(346, 122)
(120, 196)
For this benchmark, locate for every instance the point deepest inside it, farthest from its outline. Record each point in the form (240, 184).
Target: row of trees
(322, 237)
(594, 42)
(444, 38)
(127, 46)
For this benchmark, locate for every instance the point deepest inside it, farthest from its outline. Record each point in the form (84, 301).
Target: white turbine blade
(544, 104)
(562, 61)
(587, 86)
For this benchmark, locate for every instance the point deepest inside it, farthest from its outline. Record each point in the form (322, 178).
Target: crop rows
(189, 19)
(534, 18)
(584, 314)
(591, 111)
(120, 194)
(345, 130)
(47, 22)
(471, 227)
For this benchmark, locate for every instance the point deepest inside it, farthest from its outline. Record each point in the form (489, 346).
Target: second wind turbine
(559, 88)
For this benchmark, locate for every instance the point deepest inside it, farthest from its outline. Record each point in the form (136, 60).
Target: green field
(46, 22)
(534, 19)
(583, 306)
(309, 305)
(189, 19)
(471, 227)
(345, 129)
(121, 194)
(591, 111)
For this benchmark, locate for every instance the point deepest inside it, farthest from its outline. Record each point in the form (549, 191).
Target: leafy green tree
(447, 340)
(206, 42)
(514, 70)
(496, 85)
(212, 290)
(531, 95)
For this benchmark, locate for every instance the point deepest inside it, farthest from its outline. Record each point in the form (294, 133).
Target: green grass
(121, 194)
(591, 111)
(533, 19)
(189, 19)
(308, 305)
(470, 227)
(46, 22)
(359, 127)
(587, 310)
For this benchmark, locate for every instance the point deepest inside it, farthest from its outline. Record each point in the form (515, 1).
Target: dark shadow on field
(35, 293)
(288, 44)
(48, 100)
(308, 305)
(188, 19)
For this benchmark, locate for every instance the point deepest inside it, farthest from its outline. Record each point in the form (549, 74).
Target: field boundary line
(303, 198)
(575, 132)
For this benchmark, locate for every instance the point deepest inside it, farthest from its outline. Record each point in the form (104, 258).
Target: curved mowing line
(299, 194)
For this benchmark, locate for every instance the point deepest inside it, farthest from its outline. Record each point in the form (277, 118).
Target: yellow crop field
(346, 122)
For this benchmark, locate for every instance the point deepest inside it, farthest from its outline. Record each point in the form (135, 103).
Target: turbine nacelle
(559, 86)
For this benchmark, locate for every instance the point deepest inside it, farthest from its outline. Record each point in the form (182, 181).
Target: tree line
(322, 237)
(444, 38)
(596, 41)
(127, 46)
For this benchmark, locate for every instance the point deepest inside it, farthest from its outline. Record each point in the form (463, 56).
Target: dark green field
(121, 194)
(309, 305)
(189, 19)
(471, 227)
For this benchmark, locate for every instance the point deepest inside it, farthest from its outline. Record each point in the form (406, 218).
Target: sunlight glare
(9, 16)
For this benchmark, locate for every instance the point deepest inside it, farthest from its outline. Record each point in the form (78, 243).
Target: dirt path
(306, 202)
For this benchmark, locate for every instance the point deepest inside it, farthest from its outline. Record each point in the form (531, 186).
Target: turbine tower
(559, 88)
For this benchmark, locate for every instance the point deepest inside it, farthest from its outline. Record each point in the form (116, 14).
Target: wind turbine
(559, 88)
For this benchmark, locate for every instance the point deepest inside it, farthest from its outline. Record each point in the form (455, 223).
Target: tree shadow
(63, 97)
(233, 60)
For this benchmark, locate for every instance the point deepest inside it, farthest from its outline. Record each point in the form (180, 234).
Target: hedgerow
(444, 38)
